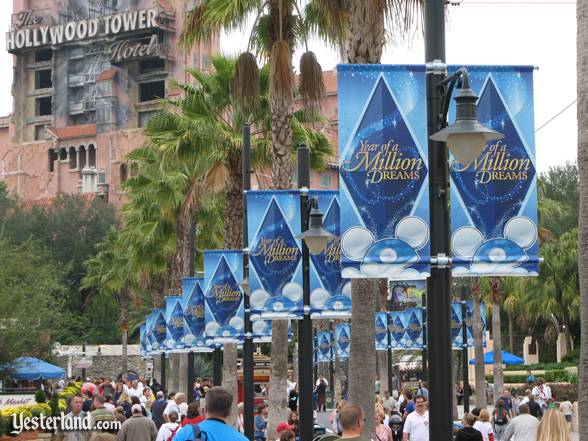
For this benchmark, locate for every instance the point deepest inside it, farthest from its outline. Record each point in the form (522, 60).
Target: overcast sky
(521, 32)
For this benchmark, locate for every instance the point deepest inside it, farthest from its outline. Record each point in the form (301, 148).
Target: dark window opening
(43, 79)
(43, 55)
(52, 158)
(151, 91)
(152, 65)
(43, 106)
(62, 154)
(92, 156)
(73, 158)
(123, 172)
(82, 161)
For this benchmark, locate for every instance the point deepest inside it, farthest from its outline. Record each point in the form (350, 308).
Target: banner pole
(465, 367)
(305, 346)
(248, 368)
(438, 287)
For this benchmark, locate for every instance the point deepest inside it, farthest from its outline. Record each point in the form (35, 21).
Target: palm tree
(582, 87)
(514, 291)
(364, 44)
(478, 343)
(108, 272)
(496, 295)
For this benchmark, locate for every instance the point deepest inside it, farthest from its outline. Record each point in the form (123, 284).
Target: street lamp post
(84, 361)
(314, 239)
(466, 139)
(217, 362)
(464, 353)
(248, 369)
(331, 360)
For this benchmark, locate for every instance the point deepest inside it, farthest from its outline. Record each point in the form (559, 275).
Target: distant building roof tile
(70, 132)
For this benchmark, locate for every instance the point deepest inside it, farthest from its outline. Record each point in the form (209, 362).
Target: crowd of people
(144, 413)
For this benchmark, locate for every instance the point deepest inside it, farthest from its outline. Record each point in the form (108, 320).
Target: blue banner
(324, 346)
(158, 330)
(457, 323)
(223, 298)
(494, 198)
(381, 331)
(383, 171)
(149, 334)
(330, 295)
(194, 316)
(342, 339)
(406, 329)
(174, 320)
(144, 346)
(262, 331)
(275, 273)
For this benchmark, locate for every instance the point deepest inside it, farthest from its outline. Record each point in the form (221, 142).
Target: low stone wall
(107, 365)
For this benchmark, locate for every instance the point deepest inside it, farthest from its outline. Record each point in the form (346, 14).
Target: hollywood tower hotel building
(87, 76)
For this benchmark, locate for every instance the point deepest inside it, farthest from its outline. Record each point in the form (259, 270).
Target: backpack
(173, 433)
(501, 419)
(195, 430)
(327, 437)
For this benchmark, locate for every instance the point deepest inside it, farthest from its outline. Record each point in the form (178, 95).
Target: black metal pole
(248, 369)
(217, 363)
(315, 357)
(464, 361)
(305, 346)
(162, 372)
(190, 391)
(332, 359)
(438, 289)
(424, 354)
(389, 353)
(84, 361)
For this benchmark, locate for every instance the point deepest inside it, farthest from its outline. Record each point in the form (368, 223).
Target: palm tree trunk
(365, 41)
(365, 44)
(582, 111)
(233, 231)
(278, 403)
(362, 360)
(495, 296)
(510, 334)
(124, 328)
(478, 345)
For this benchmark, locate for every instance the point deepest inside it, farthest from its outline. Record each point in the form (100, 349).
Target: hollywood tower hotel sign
(30, 31)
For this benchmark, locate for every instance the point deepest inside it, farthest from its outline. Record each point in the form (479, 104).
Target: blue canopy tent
(29, 369)
(507, 358)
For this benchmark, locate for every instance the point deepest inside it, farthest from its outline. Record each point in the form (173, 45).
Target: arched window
(82, 157)
(52, 156)
(62, 154)
(73, 158)
(123, 172)
(92, 156)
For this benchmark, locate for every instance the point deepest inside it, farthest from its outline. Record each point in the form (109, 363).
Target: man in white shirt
(135, 390)
(523, 427)
(416, 426)
(174, 406)
(388, 402)
(539, 392)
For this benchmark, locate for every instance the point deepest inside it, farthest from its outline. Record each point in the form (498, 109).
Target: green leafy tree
(32, 302)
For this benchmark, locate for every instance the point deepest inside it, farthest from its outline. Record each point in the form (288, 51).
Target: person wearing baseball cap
(137, 427)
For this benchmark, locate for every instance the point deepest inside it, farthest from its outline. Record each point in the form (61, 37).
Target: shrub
(54, 404)
(40, 396)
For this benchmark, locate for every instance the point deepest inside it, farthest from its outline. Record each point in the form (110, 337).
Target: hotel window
(101, 177)
(40, 133)
(197, 59)
(43, 79)
(326, 180)
(144, 117)
(43, 106)
(43, 55)
(204, 61)
(152, 65)
(151, 91)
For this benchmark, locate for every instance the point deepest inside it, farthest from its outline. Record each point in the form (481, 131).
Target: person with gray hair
(157, 409)
(523, 427)
(174, 405)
